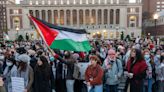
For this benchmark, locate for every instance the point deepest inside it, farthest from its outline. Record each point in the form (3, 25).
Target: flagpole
(52, 52)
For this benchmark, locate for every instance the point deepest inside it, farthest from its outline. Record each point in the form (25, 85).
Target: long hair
(139, 55)
(45, 67)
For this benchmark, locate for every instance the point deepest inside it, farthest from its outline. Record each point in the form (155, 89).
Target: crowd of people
(140, 62)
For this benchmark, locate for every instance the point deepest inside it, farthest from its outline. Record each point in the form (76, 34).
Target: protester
(25, 71)
(160, 74)
(94, 75)
(149, 77)
(136, 72)
(10, 71)
(43, 77)
(113, 71)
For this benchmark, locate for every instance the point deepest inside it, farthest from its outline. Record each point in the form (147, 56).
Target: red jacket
(95, 73)
(138, 68)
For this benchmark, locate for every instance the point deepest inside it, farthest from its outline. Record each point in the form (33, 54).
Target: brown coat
(94, 73)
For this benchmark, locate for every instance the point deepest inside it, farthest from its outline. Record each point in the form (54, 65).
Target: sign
(17, 84)
(83, 66)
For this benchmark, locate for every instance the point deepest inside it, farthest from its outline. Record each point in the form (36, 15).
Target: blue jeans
(111, 88)
(149, 86)
(97, 88)
(70, 85)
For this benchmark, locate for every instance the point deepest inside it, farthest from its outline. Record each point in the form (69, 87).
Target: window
(16, 12)
(93, 1)
(105, 1)
(158, 6)
(162, 6)
(81, 2)
(43, 2)
(158, 9)
(61, 1)
(86, 1)
(99, 1)
(162, 2)
(111, 1)
(30, 3)
(132, 1)
(37, 3)
(158, 2)
(49, 2)
(68, 2)
(117, 2)
(132, 10)
(55, 2)
(74, 2)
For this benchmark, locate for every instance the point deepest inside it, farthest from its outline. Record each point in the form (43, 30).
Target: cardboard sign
(17, 84)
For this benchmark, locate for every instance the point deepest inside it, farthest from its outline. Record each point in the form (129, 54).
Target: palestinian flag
(62, 38)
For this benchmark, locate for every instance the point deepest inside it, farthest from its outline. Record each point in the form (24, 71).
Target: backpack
(76, 72)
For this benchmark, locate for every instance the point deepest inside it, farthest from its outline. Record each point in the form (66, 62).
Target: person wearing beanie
(25, 71)
(113, 71)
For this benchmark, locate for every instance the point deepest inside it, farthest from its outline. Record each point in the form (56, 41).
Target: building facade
(153, 6)
(107, 18)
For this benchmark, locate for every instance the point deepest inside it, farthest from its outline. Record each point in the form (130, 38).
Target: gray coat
(112, 75)
(8, 75)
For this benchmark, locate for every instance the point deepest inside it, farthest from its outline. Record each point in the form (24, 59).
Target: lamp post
(17, 29)
(155, 21)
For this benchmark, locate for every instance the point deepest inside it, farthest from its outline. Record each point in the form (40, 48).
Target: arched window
(105, 16)
(99, 17)
(111, 16)
(87, 17)
(93, 19)
(68, 15)
(49, 16)
(81, 17)
(74, 17)
(56, 17)
(62, 17)
(117, 16)
(43, 15)
(132, 21)
(37, 13)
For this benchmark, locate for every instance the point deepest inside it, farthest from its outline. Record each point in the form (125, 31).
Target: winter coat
(7, 76)
(160, 72)
(139, 73)
(43, 80)
(95, 73)
(28, 76)
(112, 75)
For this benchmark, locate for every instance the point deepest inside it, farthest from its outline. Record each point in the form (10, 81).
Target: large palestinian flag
(60, 37)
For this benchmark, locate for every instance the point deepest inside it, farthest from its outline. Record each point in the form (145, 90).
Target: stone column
(84, 17)
(52, 11)
(65, 17)
(71, 18)
(58, 20)
(77, 17)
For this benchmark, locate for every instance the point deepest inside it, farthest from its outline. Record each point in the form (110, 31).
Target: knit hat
(24, 58)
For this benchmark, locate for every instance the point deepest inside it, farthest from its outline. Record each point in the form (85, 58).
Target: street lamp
(156, 16)
(17, 29)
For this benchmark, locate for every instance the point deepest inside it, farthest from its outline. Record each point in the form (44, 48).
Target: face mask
(52, 59)
(158, 56)
(9, 63)
(147, 57)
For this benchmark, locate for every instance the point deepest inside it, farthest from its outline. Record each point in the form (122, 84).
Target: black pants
(61, 85)
(79, 86)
